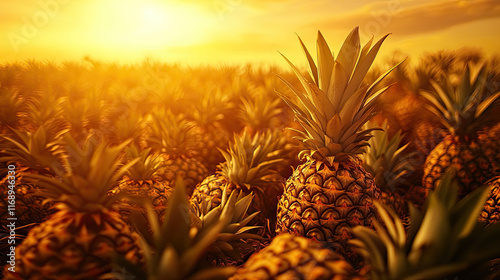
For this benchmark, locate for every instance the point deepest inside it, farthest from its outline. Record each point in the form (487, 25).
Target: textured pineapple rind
(72, 245)
(188, 168)
(472, 167)
(323, 200)
(295, 257)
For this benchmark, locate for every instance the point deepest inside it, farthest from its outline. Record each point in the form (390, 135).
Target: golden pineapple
(141, 182)
(208, 116)
(81, 238)
(491, 211)
(386, 161)
(295, 257)
(331, 192)
(461, 108)
(248, 167)
(176, 139)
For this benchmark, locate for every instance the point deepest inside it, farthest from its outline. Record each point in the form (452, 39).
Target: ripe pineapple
(385, 160)
(489, 143)
(208, 116)
(331, 192)
(178, 248)
(177, 139)
(142, 182)
(249, 168)
(80, 239)
(444, 241)
(295, 257)
(491, 211)
(462, 109)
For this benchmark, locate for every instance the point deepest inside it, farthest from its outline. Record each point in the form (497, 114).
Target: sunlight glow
(151, 24)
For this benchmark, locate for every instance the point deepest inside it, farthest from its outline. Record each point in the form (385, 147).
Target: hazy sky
(235, 31)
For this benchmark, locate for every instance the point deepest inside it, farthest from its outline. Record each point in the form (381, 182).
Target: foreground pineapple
(178, 248)
(389, 166)
(79, 240)
(249, 168)
(295, 257)
(331, 192)
(462, 109)
(142, 182)
(177, 140)
(445, 240)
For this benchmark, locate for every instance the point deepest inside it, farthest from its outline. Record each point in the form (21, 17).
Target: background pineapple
(248, 168)
(463, 109)
(176, 139)
(386, 161)
(331, 192)
(141, 182)
(80, 239)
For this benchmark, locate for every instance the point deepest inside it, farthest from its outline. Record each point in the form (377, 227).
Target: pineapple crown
(250, 159)
(176, 248)
(444, 239)
(128, 126)
(461, 108)
(11, 106)
(384, 158)
(258, 112)
(336, 105)
(145, 167)
(173, 134)
(36, 150)
(87, 174)
(211, 109)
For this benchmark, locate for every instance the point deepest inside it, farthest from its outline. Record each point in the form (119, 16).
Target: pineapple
(208, 116)
(385, 160)
(79, 240)
(178, 248)
(261, 112)
(330, 192)
(491, 211)
(295, 257)
(141, 182)
(444, 241)
(177, 139)
(248, 167)
(461, 109)
(489, 143)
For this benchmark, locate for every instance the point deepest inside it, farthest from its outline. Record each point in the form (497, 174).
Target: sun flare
(153, 24)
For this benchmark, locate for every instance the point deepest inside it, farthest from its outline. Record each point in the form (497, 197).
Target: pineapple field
(340, 166)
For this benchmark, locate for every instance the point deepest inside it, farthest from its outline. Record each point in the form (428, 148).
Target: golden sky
(235, 31)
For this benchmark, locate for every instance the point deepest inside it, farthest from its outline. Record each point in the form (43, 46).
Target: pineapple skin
(212, 139)
(324, 200)
(188, 168)
(295, 257)
(157, 191)
(72, 245)
(472, 165)
(491, 212)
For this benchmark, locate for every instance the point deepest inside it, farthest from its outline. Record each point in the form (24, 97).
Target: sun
(147, 24)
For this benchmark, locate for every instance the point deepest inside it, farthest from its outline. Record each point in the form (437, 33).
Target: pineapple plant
(179, 247)
(389, 166)
(141, 181)
(260, 112)
(462, 109)
(248, 168)
(444, 241)
(176, 139)
(80, 239)
(331, 192)
(208, 116)
(295, 257)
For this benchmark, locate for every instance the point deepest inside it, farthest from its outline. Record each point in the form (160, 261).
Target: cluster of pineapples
(145, 179)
